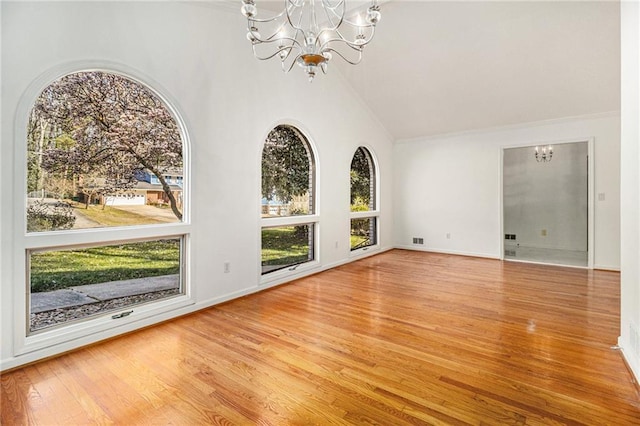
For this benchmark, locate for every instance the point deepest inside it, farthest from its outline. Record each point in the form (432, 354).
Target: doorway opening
(547, 205)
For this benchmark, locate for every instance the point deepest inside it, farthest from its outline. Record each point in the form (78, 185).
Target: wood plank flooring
(399, 338)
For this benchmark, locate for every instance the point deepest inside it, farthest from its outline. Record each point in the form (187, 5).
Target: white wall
(549, 196)
(630, 186)
(452, 185)
(198, 55)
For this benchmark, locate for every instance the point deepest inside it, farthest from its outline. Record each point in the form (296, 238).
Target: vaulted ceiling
(444, 67)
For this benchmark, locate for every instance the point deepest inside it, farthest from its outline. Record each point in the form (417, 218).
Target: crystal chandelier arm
(277, 34)
(277, 52)
(290, 66)
(328, 8)
(286, 43)
(347, 60)
(270, 19)
(353, 44)
(295, 44)
(289, 7)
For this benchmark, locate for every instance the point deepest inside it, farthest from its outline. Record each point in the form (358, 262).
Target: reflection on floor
(552, 256)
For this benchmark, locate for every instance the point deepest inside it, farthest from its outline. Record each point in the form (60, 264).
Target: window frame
(102, 325)
(284, 274)
(374, 213)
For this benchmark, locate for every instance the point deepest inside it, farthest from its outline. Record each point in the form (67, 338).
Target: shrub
(49, 217)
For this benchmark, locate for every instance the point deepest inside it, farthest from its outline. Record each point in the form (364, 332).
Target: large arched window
(104, 218)
(364, 210)
(288, 200)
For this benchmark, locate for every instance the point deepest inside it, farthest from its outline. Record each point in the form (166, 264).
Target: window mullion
(364, 215)
(102, 235)
(288, 220)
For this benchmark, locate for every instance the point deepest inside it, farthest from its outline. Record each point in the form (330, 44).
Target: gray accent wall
(546, 203)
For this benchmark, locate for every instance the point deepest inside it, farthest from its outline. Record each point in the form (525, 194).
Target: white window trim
(23, 241)
(292, 272)
(364, 214)
(273, 222)
(375, 213)
(104, 321)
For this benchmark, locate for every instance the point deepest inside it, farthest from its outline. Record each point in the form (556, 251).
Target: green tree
(286, 165)
(361, 171)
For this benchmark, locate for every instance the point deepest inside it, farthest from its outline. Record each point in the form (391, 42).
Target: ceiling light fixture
(544, 155)
(309, 32)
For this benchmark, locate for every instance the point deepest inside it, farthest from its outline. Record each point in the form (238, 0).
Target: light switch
(601, 196)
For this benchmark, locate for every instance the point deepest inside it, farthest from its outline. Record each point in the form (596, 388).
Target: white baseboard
(632, 362)
(607, 268)
(445, 251)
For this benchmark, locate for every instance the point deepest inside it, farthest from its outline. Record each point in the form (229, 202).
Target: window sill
(288, 273)
(65, 333)
(361, 252)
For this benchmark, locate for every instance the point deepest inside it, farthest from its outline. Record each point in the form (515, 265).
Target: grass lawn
(284, 246)
(357, 240)
(112, 216)
(54, 270)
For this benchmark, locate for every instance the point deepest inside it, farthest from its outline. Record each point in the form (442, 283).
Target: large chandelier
(310, 32)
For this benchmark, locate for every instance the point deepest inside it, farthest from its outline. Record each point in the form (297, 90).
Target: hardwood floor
(399, 338)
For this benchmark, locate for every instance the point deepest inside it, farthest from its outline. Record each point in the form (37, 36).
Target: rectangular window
(363, 233)
(286, 246)
(76, 283)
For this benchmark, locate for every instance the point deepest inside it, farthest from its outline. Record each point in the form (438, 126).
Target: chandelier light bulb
(248, 9)
(253, 35)
(373, 15)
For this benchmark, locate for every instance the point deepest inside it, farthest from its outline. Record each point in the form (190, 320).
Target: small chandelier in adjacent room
(544, 154)
(310, 32)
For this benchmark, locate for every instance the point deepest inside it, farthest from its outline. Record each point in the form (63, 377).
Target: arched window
(288, 200)
(364, 210)
(104, 152)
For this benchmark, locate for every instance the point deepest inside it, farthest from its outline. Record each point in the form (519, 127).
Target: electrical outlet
(418, 240)
(543, 232)
(227, 267)
(448, 236)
